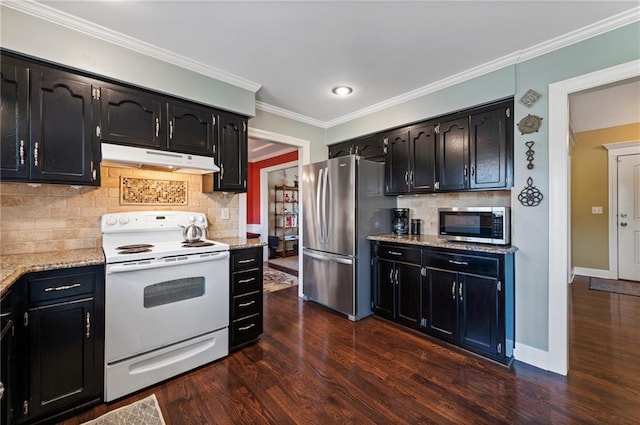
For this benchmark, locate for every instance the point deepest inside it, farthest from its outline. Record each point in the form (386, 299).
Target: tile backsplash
(60, 217)
(425, 207)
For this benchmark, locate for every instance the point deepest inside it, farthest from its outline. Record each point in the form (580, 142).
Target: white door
(629, 217)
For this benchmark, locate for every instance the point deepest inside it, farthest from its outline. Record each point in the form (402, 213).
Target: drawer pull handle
(394, 252)
(247, 304)
(246, 261)
(244, 328)
(453, 290)
(88, 325)
(247, 280)
(460, 263)
(62, 288)
(1, 390)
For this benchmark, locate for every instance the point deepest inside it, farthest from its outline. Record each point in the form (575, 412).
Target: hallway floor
(286, 264)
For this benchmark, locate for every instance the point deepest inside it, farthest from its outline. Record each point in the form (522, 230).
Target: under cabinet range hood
(151, 159)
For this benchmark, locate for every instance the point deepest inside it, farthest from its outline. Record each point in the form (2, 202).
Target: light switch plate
(225, 213)
(596, 210)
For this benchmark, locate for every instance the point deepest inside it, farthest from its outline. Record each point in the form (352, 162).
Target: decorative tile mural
(136, 191)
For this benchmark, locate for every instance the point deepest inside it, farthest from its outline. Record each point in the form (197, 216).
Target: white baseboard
(584, 271)
(530, 355)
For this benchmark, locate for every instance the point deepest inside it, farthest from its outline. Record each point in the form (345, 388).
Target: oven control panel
(150, 220)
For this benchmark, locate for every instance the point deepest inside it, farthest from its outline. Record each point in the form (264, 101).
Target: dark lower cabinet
(7, 358)
(397, 280)
(60, 343)
(245, 309)
(462, 297)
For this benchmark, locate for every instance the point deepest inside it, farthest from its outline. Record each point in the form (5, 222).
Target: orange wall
(253, 185)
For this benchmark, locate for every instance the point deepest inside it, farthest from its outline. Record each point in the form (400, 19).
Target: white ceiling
(294, 52)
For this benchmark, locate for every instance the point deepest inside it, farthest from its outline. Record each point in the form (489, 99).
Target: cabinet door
(453, 167)
(191, 129)
(14, 116)
(340, 149)
(423, 158)
(131, 117)
(478, 313)
(384, 289)
(408, 280)
(369, 147)
(63, 357)
(61, 128)
(396, 169)
(231, 154)
(441, 312)
(488, 149)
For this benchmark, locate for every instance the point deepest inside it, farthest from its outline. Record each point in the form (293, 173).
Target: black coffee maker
(400, 223)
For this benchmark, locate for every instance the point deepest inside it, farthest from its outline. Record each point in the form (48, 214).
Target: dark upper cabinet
(453, 155)
(231, 154)
(490, 148)
(131, 117)
(14, 116)
(47, 125)
(191, 128)
(410, 159)
(61, 128)
(368, 147)
(396, 169)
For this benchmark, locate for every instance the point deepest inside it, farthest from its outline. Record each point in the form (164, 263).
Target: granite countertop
(434, 241)
(13, 266)
(241, 243)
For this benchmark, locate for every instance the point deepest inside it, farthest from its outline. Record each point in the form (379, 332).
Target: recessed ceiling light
(342, 90)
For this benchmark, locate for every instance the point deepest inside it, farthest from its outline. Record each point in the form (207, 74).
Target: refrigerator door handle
(325, 236)
(325, 257)
(328, 207)
(318, 207)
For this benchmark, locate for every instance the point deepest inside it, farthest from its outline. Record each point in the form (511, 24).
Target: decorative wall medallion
(530, 196)
(529, 124)
(134, 191)
(530, 152)
(530, 98)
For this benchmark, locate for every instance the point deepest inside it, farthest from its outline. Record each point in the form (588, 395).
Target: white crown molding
(288, 114)
(83, 26)
(274, 154)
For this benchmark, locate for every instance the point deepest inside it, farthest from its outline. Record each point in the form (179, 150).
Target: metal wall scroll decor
(529, 124)
(530, 98)
(530, 196)
(530, 152)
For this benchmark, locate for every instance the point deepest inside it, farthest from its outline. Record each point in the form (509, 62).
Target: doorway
(304, 157)
(559, 209)
(628, 224)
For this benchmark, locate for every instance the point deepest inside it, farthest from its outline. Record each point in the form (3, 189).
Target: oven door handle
(166, 262)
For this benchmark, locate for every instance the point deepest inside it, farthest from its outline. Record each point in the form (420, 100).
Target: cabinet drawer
(396, 253)
(463, 263)
(246, 258)
(246, 282)
(246, 329)
(51, 289)
(247, 305)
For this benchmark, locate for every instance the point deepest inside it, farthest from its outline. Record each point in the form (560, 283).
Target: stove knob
(201, 219)
(192, 219)
(124, 220)
(111, 221)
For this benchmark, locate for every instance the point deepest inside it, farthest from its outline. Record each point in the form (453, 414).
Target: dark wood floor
(312, 366)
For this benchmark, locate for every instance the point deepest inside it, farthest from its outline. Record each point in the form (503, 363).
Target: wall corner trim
(585, 271)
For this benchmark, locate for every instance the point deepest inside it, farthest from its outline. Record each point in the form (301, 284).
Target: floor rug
(141, 412)
(626, 287)
(275, 280)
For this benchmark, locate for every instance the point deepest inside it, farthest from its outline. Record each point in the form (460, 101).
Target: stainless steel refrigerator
(343, 203)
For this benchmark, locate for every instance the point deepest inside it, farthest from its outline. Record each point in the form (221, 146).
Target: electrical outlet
(225, 213)
(596, 210)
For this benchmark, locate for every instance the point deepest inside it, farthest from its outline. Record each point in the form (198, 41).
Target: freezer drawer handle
(327, 258)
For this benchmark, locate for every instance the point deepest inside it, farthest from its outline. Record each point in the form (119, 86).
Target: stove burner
(196, 244)
(135, 246)
(135, 250)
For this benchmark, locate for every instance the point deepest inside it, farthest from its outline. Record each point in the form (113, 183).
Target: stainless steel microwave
(490, 225)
